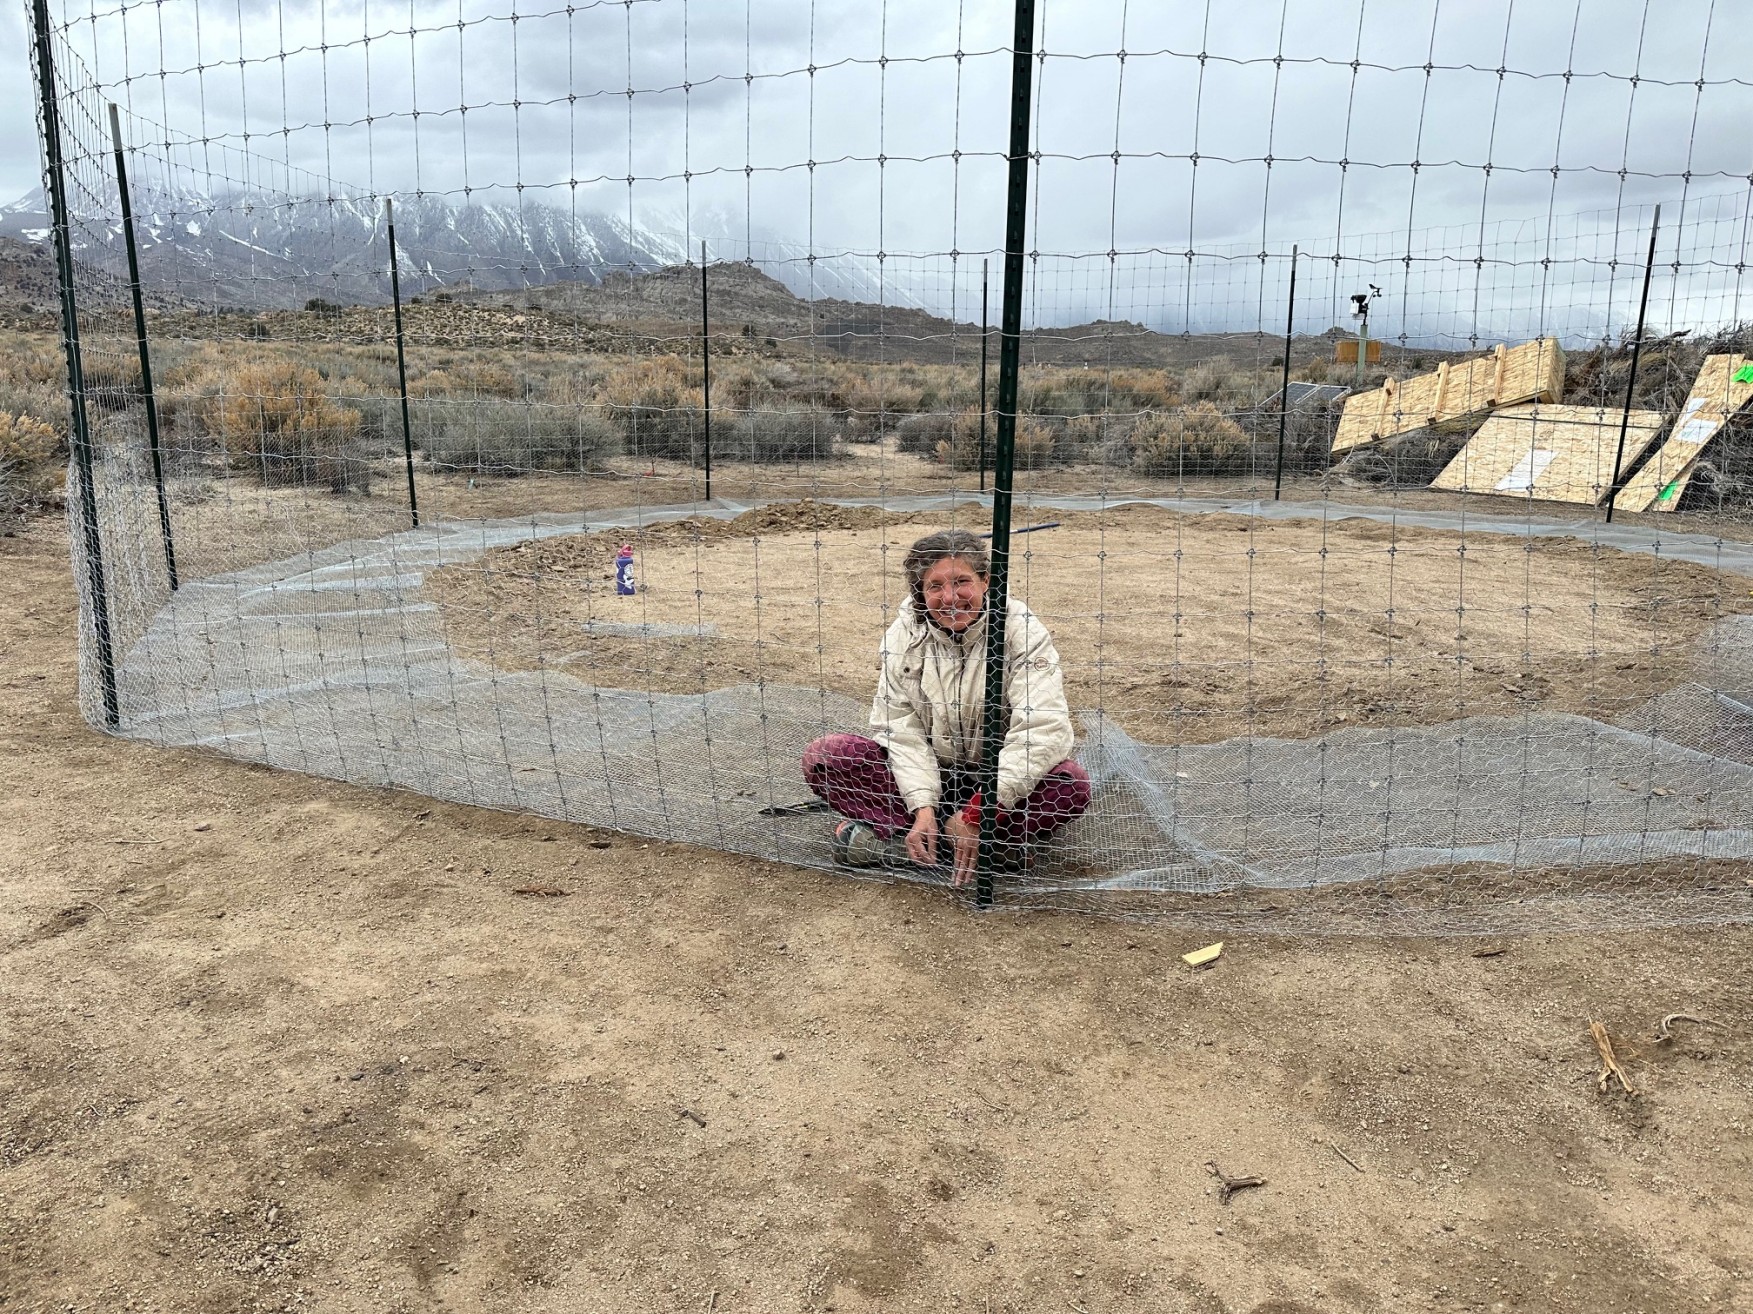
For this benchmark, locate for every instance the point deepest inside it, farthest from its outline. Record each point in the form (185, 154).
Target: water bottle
(624, 571)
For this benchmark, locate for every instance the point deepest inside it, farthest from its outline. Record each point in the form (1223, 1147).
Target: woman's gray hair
(933, 548)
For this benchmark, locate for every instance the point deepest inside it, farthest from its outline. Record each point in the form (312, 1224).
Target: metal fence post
(1649, 268)
(147, 392)
(54, 175)
(706, 367)
(1284, 383)
(985, 337)
(996, 719)
(389, 219)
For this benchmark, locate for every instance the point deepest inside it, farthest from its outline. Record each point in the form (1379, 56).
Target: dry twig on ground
(1610, 1065)
(1228, 1186)
(1664, 1028)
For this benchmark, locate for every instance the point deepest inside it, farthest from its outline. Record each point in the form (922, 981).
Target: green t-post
(997, 715)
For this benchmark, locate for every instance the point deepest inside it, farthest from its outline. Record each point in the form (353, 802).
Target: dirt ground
(277, 1043)
(1183, 628)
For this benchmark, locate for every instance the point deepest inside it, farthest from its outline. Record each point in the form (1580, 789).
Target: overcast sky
(725, 118)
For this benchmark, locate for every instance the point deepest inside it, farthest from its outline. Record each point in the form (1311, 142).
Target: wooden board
(1454, 392)
(1548, 453)
(1715, 396)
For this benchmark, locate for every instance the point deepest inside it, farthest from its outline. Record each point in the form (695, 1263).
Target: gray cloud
(20, 167)
(1302, 123)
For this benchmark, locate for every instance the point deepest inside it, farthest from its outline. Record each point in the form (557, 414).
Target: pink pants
(851, 774)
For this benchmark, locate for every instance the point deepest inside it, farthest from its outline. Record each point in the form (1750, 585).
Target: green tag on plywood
(1667, 493)
(1744, 374)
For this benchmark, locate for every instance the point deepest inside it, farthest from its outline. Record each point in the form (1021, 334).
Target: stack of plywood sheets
(1457, 391)
(1724, 386)
(1550, 453)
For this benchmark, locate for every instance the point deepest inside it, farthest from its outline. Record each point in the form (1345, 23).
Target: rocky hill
(749, 304)
(572, 278)
(752, 314)
(30, 292)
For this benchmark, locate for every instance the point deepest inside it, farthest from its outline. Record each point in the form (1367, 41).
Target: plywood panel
(1549, 453)
(1716, 395)
(1456, 391)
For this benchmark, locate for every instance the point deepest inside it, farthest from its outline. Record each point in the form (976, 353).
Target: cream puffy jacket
(929, 700)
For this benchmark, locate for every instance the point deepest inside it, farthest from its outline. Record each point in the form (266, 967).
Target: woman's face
(954, 594)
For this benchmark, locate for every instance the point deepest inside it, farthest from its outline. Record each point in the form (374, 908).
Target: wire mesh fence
(1378, 467)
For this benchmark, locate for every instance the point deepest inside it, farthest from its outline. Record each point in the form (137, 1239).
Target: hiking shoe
(856, 844)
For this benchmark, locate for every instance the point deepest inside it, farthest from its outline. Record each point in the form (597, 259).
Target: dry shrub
(787, 433)
(922, 435)
(32, 360)
(1093, 437)
(744, 386)
(279, 422)
(1197, 439)
(576, 385)
(946, 387)
(1143, 390)
(181, 368)
(1035, 442)
(467, 378)
(738, 386)
(1064, 393)
(433, 383)
(1039, 394)
(646, 381)
(1209, 379)
(353, 371)
(1666, 370)
(28, 468)
(25, 438)
(380, 422)
(507, 438)
(877, 401)
(820, 389)
(22, 397)
(656, 404)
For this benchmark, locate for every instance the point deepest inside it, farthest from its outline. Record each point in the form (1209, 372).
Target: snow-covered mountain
(268, 251)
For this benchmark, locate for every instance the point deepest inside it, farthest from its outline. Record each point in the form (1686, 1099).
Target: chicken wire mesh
(1311, 690)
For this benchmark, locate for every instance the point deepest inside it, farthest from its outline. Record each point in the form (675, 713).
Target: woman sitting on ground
(920, 772)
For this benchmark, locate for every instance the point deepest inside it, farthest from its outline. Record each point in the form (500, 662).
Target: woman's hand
(922, 838)
(967, 841)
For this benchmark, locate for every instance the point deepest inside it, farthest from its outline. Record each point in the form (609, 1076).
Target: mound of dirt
(598, 551)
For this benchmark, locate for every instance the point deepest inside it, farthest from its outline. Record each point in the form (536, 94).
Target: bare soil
(1183, 628)
(275, 1043)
